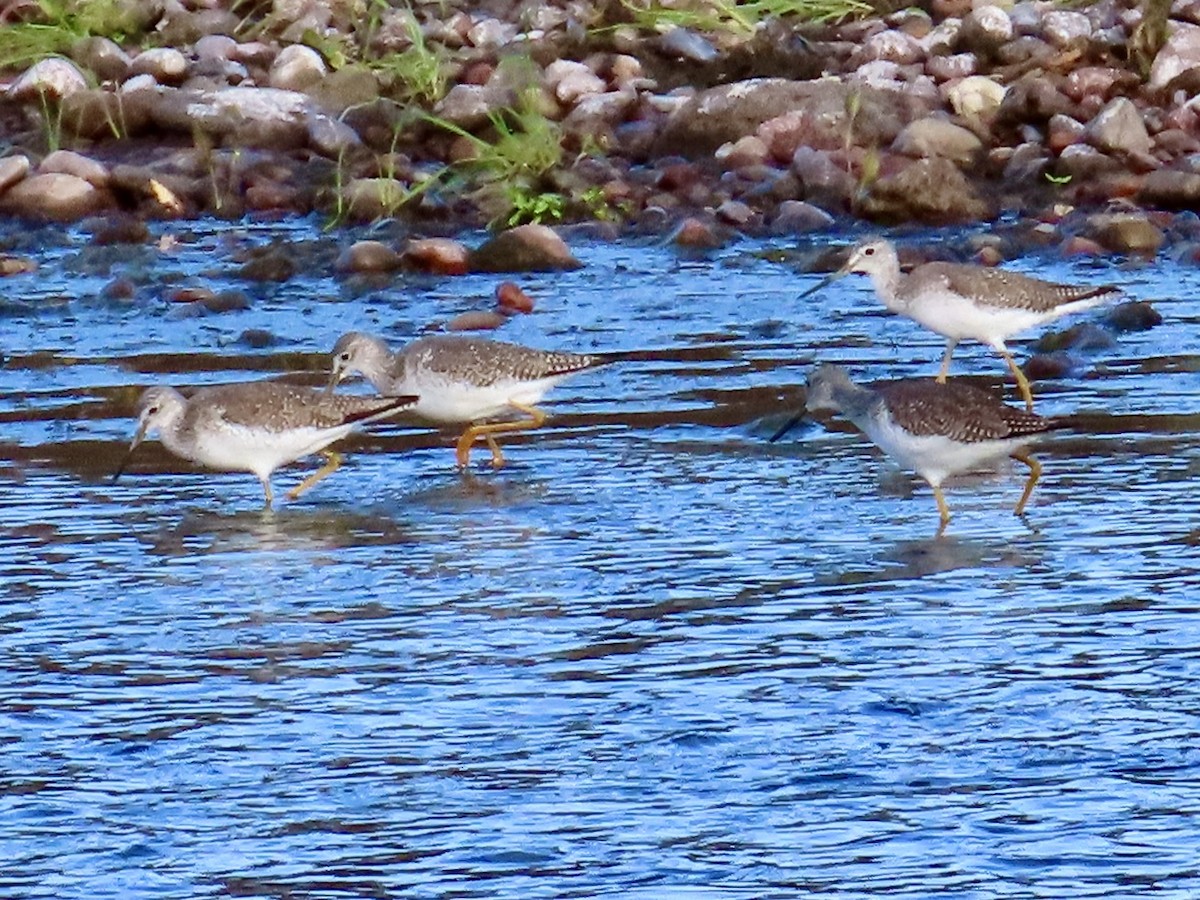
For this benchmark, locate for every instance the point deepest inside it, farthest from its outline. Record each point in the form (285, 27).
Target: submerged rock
(525, 248)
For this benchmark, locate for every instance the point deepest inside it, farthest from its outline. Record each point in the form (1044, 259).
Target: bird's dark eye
(345, 357)
(153, 410)
(869, 251)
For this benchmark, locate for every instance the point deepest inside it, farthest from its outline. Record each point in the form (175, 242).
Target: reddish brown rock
(511, 299)
(441, 256)
(477, 320)
(1077, 245)
(695, 233)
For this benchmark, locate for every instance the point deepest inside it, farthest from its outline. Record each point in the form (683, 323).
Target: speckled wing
(483, 362)
(281, 407)
(958, 411)
(1011, 290)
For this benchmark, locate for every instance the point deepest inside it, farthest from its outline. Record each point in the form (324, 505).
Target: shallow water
(655, 656)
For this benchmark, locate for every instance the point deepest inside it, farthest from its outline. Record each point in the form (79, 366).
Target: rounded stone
(55, 196)
(53, 77)
(441, 256)
(368, 256)
(976, 96)
(218, 47)
(525, 248)
(166, 65)
(510, 299)
(1119, 128)
(297, 68)
(16, 167)
(938, 137)
(799, 217)
(102, 57)
(477, 320)
(68, 162)
(984, 29)
(1062, 27)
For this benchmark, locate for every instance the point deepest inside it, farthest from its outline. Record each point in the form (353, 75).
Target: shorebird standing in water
(936, 429)
(959, 301)
(256, 426)
(463, 380)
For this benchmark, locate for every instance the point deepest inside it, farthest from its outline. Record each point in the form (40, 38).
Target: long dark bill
(787, 426)
(824, 282)
(138, 437)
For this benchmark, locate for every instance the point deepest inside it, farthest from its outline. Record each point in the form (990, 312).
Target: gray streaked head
(359, 352)
(158, 408)
(876, 256)
(824, 384)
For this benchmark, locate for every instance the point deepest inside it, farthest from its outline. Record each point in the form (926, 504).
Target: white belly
(457, 402)
(935, 457)
(953, 317)
(236, 449)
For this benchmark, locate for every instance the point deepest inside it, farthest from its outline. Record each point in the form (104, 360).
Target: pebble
(440, 256)
(368, 257)
(511, 299)
(477, 320)
(165, 65)
(296, 68)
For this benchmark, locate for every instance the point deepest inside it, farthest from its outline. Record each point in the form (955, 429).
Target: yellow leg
(270, 501)
(950, 345)
(943, 509)
(1035, 472)
(462, 450)
(1022, 381)
(332, 462)
(497, 453)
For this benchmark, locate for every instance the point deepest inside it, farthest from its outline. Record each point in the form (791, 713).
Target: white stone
(994, 22)
(895, 46)
(975, 96)
(1180, 53)
(258, 104)
(215, 46)
(139, 83)
(490, 34)
(942, 38)
(52, 77)
(165, 64)
(1061, 27)
(572, 80)
(296, 67)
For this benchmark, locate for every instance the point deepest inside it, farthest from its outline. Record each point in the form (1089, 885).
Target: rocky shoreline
(1071, 120)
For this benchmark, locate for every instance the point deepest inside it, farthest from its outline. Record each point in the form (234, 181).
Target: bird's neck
(854, 401)
(886, 281)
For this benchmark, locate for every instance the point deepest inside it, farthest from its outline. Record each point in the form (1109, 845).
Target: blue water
(655, 656)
